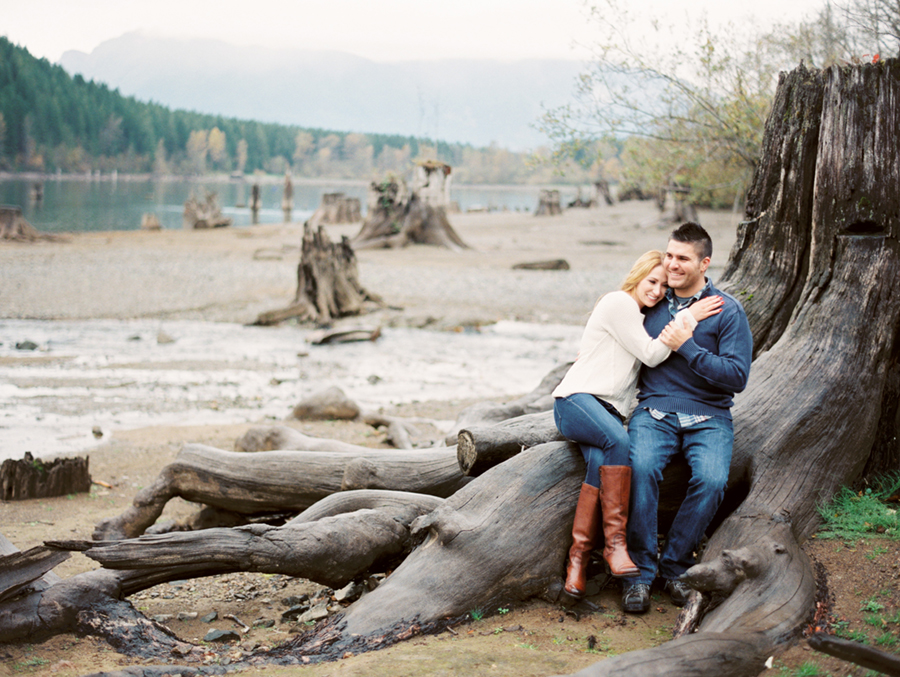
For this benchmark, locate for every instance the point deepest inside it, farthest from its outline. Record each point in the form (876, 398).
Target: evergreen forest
(51, 121)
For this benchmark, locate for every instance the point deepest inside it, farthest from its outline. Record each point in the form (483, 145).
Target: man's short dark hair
(696, 235)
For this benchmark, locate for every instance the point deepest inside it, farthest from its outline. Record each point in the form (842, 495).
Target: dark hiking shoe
(678, 591)
(636, 598)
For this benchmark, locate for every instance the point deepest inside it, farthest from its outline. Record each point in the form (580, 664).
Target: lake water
(77, 205)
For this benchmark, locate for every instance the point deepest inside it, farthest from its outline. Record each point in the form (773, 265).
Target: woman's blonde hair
(641, 269)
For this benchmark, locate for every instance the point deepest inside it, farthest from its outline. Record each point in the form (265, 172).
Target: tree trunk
(328, 285)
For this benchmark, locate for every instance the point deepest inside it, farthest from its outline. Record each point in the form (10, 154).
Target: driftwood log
(328, 285)
(398, 218)
(275, 481)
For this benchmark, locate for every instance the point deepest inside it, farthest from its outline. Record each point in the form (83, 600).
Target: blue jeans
(707, 449)
(599, 432)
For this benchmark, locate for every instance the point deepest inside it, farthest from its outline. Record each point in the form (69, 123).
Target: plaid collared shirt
(676, 304)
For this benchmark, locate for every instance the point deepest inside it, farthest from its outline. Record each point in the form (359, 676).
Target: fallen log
(275, 481)
(331, 551)
(480, 448)
(285, 438)
(365, 499)
(20, 570)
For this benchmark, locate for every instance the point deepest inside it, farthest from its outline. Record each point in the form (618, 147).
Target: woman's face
(651, 289)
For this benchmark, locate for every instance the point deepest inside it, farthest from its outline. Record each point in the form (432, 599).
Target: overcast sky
(384, 30)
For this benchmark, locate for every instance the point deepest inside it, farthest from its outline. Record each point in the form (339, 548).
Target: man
(684, 406)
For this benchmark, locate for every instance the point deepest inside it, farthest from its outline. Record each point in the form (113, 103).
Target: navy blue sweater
(707, 370)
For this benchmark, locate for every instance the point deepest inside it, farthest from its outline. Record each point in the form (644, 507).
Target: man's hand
(673, 337)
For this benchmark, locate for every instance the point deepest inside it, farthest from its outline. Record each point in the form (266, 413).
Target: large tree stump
(203, 211)
(548, 203)
(335, 208)
(328, 285)
(14, 226)
(33, 478)
(397, 218)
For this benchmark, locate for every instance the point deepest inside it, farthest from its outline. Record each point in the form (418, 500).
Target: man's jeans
(707, 448)
(599, 432)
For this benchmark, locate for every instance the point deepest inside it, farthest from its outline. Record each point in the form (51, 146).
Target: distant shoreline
(248, 178)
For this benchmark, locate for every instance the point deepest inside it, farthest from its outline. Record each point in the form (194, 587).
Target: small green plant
(887, 640)
(29, 663)
(502, 611)
(533, 647)
(854, 636)
(871, 606)
(476, 614)
(806, 670)
(852, 515)
(875, 621)
(876, 553)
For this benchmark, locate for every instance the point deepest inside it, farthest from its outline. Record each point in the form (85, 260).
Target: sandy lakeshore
(186, 279)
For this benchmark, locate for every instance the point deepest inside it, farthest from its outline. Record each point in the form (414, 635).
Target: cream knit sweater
(613, 346)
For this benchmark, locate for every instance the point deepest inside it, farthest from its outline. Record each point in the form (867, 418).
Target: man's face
(684, 268)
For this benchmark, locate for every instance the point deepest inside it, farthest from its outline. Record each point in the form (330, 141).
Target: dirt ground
(233, 275)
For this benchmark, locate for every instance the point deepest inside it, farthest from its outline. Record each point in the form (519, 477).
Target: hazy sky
(383, 30)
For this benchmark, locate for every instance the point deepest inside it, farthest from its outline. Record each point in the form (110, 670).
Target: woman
(593, 400)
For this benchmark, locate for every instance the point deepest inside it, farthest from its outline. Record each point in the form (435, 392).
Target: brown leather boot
(584, 531)
(615, 490)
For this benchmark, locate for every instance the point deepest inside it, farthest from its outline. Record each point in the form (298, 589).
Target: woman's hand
(711, 305)
(673, 337)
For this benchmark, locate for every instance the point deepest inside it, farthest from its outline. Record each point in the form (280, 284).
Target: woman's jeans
(598, 430)
(707, 448)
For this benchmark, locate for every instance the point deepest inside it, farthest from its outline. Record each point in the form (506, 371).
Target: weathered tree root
(279, 481)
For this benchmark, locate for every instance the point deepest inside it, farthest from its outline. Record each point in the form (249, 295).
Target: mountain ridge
(475, 101)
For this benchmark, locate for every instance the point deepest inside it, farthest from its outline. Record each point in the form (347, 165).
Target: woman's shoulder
(618, 300)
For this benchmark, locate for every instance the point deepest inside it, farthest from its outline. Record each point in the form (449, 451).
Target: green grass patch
(805, 670)
(852, 515)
